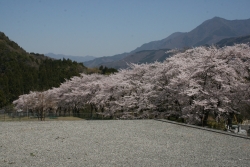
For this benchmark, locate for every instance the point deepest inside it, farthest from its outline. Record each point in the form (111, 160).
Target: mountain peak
(217, 18)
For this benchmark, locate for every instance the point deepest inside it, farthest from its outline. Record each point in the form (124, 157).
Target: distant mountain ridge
(78, 59)
(147, 56)
(209, 32)
(102, 60)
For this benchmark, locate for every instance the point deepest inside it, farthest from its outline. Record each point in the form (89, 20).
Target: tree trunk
(204, 119)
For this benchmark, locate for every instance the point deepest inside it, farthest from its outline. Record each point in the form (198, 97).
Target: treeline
(193, 86)
(22, 72)
(53, 72)
(106, 71)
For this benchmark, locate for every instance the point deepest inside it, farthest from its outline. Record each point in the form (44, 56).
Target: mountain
(209, 32)
(234, 40)
(22, 72)
(78, 59)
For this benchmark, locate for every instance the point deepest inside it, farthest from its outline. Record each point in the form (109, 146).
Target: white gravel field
(117, 143)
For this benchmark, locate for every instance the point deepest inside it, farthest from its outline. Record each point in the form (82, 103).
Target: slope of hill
(140, 57)
(234, 40)
(102, 60)
(21, 72)
(78, 59)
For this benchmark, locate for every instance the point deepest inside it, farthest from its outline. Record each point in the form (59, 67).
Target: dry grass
(7, 118)
(66, 119)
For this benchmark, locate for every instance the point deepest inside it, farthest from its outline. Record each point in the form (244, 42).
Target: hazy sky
(106, 27)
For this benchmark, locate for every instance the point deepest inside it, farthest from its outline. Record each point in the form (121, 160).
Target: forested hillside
(22, 72)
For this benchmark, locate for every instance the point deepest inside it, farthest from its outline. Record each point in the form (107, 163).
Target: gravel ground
(117, 143)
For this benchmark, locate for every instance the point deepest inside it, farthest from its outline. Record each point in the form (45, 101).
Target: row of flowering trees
(191, 85)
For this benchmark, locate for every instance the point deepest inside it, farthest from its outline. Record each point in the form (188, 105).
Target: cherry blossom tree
(40, 102)
(212, 79)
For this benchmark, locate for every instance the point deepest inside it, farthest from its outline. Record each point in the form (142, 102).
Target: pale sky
(106, 27)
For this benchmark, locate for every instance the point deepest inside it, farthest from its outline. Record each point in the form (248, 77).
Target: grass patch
(216, 125)
(32, 154)
(211, 123)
